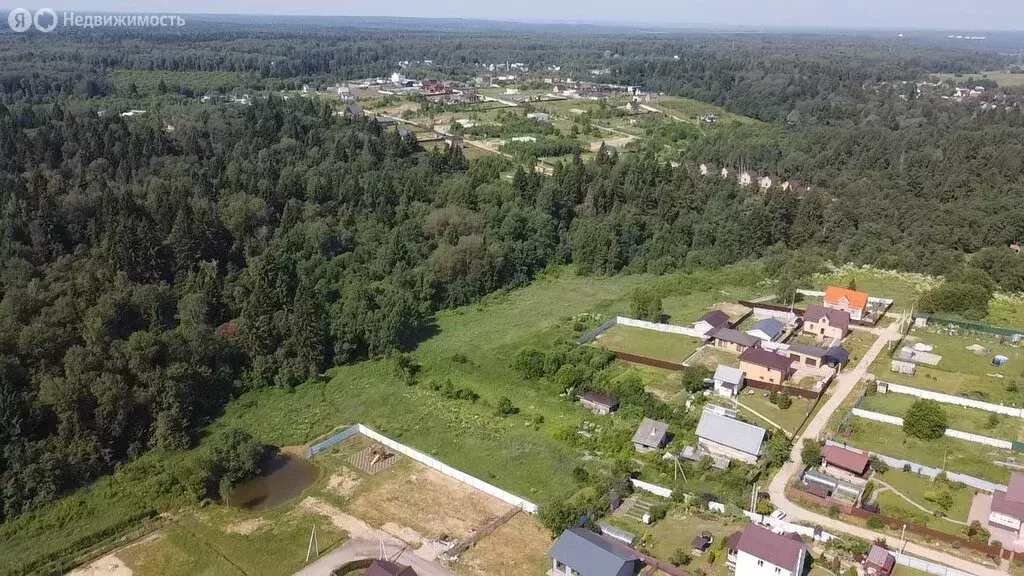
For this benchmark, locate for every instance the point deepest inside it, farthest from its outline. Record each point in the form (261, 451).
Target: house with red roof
(765, 366)
(760, 552)
(851, 301)
(879, 561)
(845, 462)
(826, 322)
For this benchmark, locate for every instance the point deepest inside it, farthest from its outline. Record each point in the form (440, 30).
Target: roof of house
(735, 336)
(591, 555)
(817, 490)
(854, 299)
(1011, 500)
(733, 541)
(728, 375)
(838, 318)
(769, 326)
(651, 433)
(716, 318)
(388, 568)
(600, 399)
(766, 359)
(777, 549)
(880, 557)
(838, 355)
(731, 432)
(808, 350)
(850, 460)
(701, 543)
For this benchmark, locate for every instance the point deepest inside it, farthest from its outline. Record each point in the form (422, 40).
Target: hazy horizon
(951, 15)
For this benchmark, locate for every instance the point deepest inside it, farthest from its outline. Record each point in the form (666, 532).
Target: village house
(805, 355)
(728, 381)
(388, 568)
(719, 434)
(845, 462)
(712, 320)
(598, 403)
(1007, 510)
(764, 366)
(760, 552)
(851, 301)
(651, 435)
(539, 117)
(826, 322)
(767, 329)
(733, 340)
(580, 552)
(879, 561)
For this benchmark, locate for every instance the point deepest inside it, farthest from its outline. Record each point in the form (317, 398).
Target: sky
(953, 15)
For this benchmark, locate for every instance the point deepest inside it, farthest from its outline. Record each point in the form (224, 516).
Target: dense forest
(151, 275)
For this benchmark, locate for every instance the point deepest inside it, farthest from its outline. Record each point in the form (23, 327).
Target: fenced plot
(373, 459)
(648, 343)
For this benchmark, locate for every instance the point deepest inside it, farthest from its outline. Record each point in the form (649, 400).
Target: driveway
(363, 548)
(843, 386)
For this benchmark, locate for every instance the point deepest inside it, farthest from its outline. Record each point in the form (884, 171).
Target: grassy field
(711, 357)
(904, 289)
(961, 372)
(959, 417)
(1005, 314)
(147, 81)
(916, 488)
(958, 455)
(1000, 77)
(649, 343)
(693, 109)
(789, 419)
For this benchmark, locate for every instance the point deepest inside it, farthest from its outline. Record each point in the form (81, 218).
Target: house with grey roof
(732, 340)
(805, 355)
(650, 436)
(580, 552)
(725, 436)
(767, 329)
(728, 381)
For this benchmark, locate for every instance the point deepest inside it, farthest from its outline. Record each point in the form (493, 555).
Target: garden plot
(958, 417)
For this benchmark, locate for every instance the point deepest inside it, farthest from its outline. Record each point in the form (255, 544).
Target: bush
(925, 419)
(505, 408)
(558, 516)
(658, 512)
(810, 454)
(645, 304)
(879, 465)
(712, 556)
(529, 362)
(869, 489)
(834, 512)
(580, 475)
(875, 523)
(784, 401)
(764, 507)
(680, 557)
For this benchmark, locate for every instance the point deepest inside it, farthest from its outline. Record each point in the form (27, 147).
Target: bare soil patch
(343, 482)
(427, 501)
(246, 527)
(519, 547)
(109, 565)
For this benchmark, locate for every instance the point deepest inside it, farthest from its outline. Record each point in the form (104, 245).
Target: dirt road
(364, 548)
(844, 385)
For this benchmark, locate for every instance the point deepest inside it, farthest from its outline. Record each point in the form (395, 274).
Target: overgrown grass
(648, 343)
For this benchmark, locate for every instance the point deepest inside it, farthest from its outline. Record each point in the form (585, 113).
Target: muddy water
(286, 477)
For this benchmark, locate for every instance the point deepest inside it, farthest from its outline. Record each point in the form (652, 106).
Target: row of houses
(750, 178)
(754, 551)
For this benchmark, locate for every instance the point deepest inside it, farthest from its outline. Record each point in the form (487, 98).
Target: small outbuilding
(728, 381)
(599, 403)
(650, 436)
(767, 329)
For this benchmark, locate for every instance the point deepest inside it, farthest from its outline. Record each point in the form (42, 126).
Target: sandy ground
(109, 565)
(246, 526)
(519, 547)
(430, 503)
(343, 483)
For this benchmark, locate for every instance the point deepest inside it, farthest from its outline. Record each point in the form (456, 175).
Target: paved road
(845, 384)
(363, 548)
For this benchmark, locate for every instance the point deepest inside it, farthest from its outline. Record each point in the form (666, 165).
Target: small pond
(287, 475)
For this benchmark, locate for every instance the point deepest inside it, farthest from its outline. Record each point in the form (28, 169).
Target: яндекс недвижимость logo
(46, 20)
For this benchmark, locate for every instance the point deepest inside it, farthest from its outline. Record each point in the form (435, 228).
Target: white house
(1007, 509)
(760, 552)
(728, 381)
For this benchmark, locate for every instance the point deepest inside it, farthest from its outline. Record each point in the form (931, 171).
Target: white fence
(930, 472)
(669, 328)
(976, 438)
(929, 567)
(652, 488)
(949, 399)
(449, 471)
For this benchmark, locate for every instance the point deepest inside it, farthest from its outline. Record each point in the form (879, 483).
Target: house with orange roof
(851, 301)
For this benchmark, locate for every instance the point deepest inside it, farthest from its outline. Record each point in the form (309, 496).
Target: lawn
(958, 455)
(904, 289)
(891, 505)
(790, 419)
(958, 417)
(961, 372)
(711, 357)
(677, 531)
(915, 487)
(857, 344)
(648, 343)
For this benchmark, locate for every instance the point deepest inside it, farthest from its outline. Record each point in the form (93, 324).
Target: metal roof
(728, 375)
(591, 555)
(769, 326)
(808, 350)
(766, 359)
(735, 336)
(651, 433)
(730, 432)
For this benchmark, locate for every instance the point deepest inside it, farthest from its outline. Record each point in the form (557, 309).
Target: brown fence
(783, 389)
(990, 551)
(626, 357)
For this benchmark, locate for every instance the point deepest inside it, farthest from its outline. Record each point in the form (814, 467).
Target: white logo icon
(20, 20)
